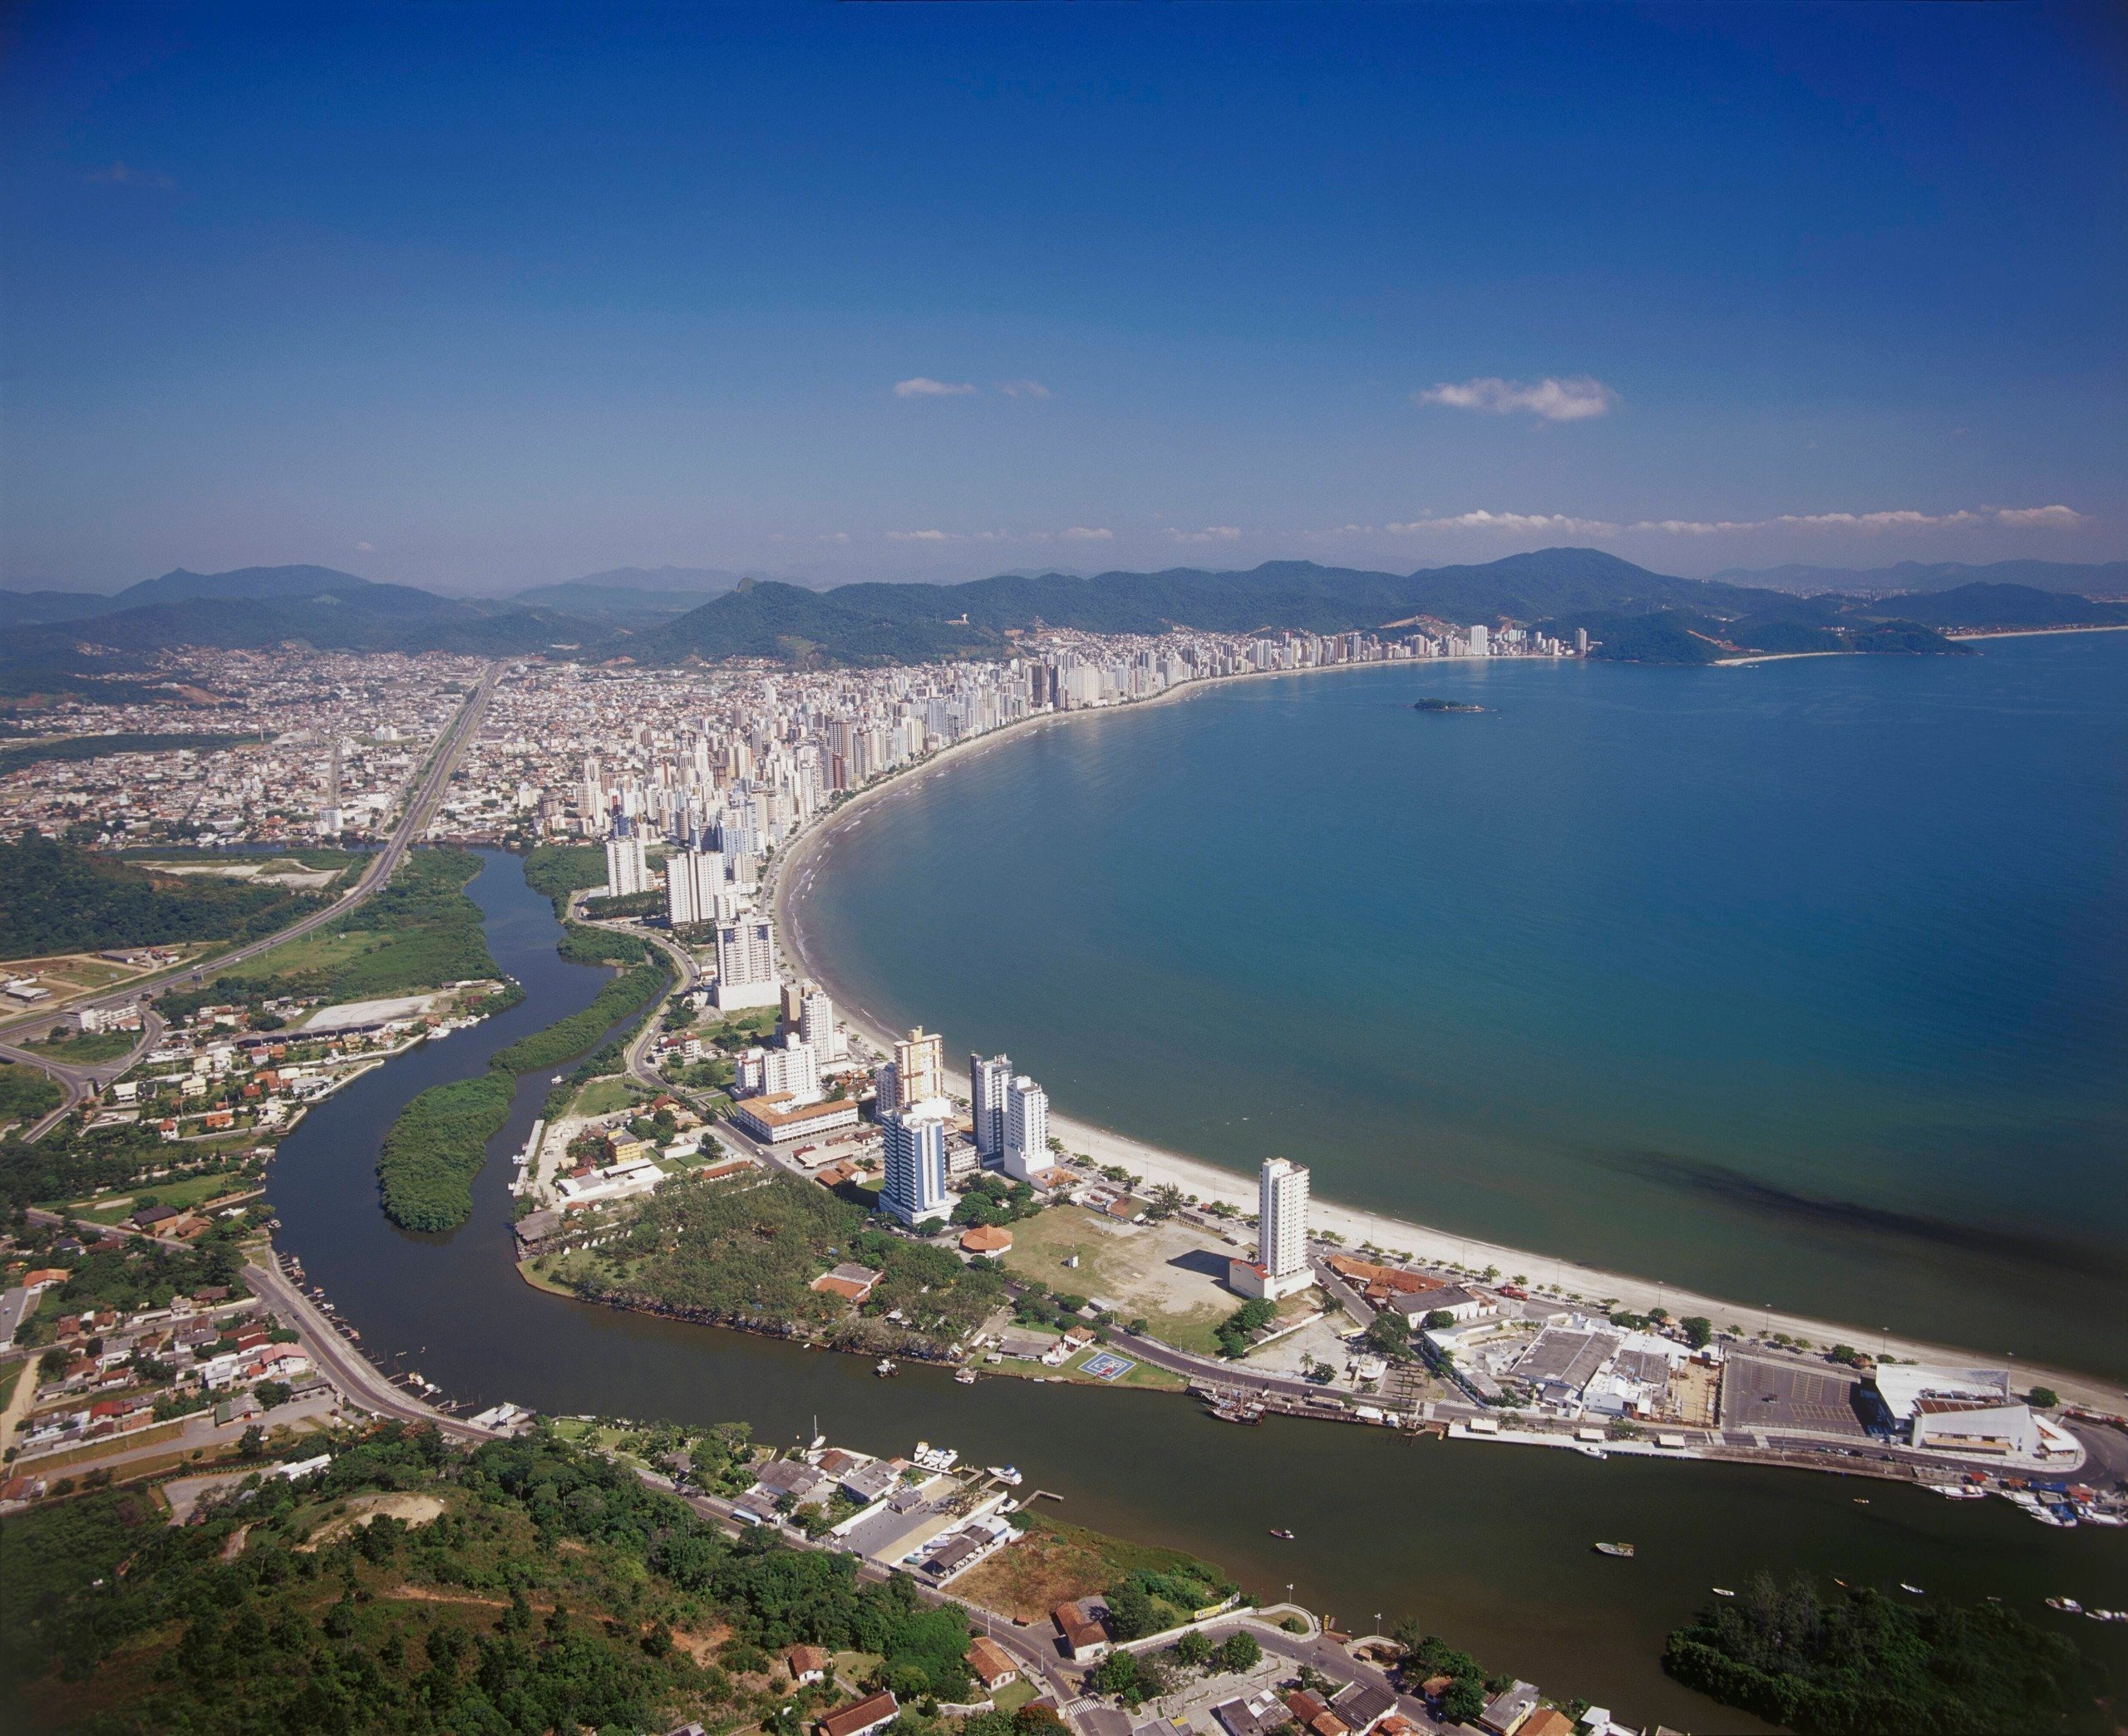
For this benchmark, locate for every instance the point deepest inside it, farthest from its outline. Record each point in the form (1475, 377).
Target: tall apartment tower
(1027, 1130)
(1280, 1267)
(694, 888)
(745, 964)
(816, 1025)
(626, 870)
(990, 1081)
(919, 1068)
(1478, 646)
(915, 1141)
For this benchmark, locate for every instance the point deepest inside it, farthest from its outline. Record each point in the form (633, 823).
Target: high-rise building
(694, 888)
(1027, 1130)
(916, 1140)
(793, 1069)
(988, 1080)
(745, 963)
(1479, 648)
(1280, 1267)
(626, 870)
(816, 1025)
(919, 1068)
(1581, 641)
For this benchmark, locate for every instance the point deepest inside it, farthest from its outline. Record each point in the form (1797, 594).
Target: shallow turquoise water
(1805, 984)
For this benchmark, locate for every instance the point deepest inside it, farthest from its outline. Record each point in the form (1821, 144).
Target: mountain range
(57, 640)
(2107, 579)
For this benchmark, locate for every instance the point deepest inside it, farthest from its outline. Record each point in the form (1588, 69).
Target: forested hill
(1637, 614)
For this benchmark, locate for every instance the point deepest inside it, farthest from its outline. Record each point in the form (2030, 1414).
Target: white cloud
(1022, 389)
(1574, 399)
(366, 548)
(1088, 534)
(1209, 533)
(1889, 519)
(921, 387)
(921, 536)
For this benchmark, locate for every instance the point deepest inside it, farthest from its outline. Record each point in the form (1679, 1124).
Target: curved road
(82, 1082)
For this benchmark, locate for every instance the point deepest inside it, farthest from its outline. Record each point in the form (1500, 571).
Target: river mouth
(1490, 1546)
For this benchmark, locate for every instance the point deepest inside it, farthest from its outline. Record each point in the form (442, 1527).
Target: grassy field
(1144, 1269)
(1057, 1563)
(326, 950)
(603, 1096)
(90, 1047)
(183, 1192)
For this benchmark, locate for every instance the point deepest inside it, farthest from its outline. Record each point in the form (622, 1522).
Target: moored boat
(1623, 1551)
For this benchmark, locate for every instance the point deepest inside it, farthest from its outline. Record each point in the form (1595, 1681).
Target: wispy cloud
(365, 548)
(1574, 400)
(1088, 534)
(1890, 519)
(1023, 389)
(125, 174)
(922, 536)
(1209, 533)
(923, 387)
(1077, 533)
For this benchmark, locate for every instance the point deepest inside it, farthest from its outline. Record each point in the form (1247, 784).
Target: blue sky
(483, 296)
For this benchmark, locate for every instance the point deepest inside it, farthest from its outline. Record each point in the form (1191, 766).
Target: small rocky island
(1444, 705)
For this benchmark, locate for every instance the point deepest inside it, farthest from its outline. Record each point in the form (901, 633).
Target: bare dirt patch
(364, 1510)
(1028, 1579)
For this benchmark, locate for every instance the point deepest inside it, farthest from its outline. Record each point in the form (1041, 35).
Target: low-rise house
(1081, 1636)
(853, 1283)
(1312, 1714)
(806, 1664)
(1361, 1706)
(1546, 1721)
(1259, 1715)
(866, 1717)
(991, 1664)
(1507, 1712)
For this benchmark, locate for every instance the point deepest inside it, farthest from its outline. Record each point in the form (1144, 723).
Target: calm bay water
(1804, 984)
(1489, 1545)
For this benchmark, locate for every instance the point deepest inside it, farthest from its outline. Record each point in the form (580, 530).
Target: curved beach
(794, 873)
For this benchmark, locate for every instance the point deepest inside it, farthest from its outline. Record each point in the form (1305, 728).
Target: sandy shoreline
(1955, 637)
(792, 872)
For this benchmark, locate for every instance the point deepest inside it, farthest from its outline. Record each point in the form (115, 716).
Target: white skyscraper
(989, 1080)
(1479, 647)
(1027, 1130)
(915, 1141)
(1280, 1268)
(792, 1071)
(919, 1072)
(745, 964)
(626, 870)
(816, 1025)
(694, 888)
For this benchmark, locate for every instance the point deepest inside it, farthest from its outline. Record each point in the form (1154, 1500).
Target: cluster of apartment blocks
(735, 758)
(340, 737)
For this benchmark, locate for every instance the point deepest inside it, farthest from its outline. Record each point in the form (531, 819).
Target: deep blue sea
(1803, 983)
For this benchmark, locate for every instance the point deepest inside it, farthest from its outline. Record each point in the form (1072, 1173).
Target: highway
(83, 1082)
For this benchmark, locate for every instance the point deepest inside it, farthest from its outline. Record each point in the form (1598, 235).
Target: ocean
(1804, 984)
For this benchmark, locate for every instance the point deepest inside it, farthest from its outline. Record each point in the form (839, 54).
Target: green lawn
(326, 950)
(182, 1191)
(90, 1047)
(603, 1096)
(1013, 1695)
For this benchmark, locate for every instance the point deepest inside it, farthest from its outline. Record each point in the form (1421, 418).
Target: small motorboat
(1913, 1591)
(1009, 1475)
(2107, 1614)
(2067, 1606)
(1281, 1534)
(1722, 1592)
(966, 1377)
(1861, 1500)
(1623, 1551)
(885, 1366)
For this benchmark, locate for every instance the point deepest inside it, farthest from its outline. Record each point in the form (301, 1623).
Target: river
(1489, 1545)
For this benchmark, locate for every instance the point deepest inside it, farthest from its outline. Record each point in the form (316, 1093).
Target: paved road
(79, 1083)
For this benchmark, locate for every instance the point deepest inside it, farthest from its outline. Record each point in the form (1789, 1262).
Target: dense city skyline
(849, 294)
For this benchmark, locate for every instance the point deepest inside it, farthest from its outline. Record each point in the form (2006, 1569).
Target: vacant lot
(1170, 1275)
(1055, 1563)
